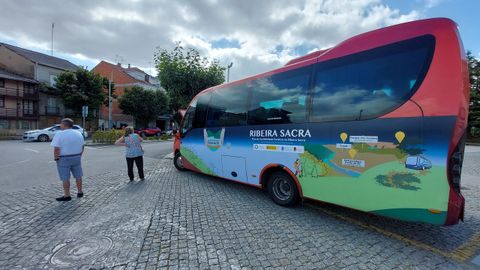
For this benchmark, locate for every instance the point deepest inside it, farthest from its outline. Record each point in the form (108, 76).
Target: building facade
(32, 75)
(18, 103)
(124, 78)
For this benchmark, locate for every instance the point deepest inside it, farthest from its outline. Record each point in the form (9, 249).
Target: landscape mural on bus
(391, 167)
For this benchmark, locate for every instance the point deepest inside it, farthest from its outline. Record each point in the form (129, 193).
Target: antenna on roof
(51, 51)
(119, 59)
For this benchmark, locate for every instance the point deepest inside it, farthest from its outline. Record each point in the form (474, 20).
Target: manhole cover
(81, 251)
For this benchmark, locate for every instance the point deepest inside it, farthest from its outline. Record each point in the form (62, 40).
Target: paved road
(183, 220)
(30, 164)
(471, 166)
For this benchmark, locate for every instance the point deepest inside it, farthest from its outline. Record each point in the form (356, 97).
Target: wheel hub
(180, 161)
(282, 189)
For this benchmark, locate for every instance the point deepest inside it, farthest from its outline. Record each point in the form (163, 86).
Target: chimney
(119, 64)
(128, 65)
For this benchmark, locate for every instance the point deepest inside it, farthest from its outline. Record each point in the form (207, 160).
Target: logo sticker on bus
(363, 139)
(279, 148)
(353, 163)
(343, 145)
(213, 139)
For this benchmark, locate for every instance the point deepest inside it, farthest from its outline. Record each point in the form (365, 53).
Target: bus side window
(228, 107)
(201, 110)
(369, 84)
(187, 123)
(280, 98)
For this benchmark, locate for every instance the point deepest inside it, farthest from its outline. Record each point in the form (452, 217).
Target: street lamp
(110, 101)
(228, 71)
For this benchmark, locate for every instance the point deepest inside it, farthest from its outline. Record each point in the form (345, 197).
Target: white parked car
(46, 134)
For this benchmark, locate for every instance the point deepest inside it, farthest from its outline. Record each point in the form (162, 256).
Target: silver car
(46, 134)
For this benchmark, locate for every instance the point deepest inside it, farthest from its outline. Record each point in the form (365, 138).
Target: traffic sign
(84, 111)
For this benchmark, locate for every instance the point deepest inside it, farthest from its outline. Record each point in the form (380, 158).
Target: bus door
(193, 147)
(225, 133)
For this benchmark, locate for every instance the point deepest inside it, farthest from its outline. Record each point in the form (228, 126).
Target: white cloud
(432, 3)
(269, 32)
(102, 14)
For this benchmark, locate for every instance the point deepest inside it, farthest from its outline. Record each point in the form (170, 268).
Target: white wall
(45, 73)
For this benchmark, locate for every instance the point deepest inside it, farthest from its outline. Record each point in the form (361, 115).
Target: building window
(27, 107)
(52, 80)
(4, 124)
(29, 88)
(2, 82)
(2, 102)
(24, 124)
(52, 102)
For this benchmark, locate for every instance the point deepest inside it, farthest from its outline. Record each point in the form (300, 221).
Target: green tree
(474, 114)
(144, 105)
(183, 73)
(82, 87)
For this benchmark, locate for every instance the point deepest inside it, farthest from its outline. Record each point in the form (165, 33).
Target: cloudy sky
(256, 35)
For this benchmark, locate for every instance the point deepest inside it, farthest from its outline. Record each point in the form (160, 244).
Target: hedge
(107, 136)
(110, 136)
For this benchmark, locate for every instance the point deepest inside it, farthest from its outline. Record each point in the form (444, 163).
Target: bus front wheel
(282, 189)
(178, 161)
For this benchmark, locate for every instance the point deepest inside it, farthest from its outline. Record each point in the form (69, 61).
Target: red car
(144, 132)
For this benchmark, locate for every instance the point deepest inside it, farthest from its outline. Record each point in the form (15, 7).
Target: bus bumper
(456, 208)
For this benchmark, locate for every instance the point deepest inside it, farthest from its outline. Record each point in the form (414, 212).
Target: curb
(472, 144)
(168, 156)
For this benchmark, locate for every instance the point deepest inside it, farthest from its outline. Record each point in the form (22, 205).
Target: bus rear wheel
(282, 189)
(178, 162)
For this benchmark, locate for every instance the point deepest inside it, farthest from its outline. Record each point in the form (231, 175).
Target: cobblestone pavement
(183, 220)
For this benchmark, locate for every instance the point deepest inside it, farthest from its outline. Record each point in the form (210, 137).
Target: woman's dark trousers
(139, 162)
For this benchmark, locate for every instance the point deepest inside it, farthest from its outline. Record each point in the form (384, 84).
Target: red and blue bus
(376, 123)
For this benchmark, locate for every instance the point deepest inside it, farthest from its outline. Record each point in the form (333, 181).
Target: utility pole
(51, 51)
(228, 71)
(110, 101)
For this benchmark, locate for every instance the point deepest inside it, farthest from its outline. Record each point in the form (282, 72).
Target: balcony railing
(29, 113)
(72, 113)
(12, 113)
(52, 110)
(13, 92)
(8, 112)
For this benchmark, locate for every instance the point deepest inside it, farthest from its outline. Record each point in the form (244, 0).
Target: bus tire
(178, 161)
(282, 189)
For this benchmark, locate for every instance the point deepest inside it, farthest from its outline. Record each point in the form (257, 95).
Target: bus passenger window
(187, 123)
(201, 110)
(280, 99)
(372, 83)
(228, 107)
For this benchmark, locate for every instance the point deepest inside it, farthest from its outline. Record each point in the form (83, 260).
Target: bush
(108, 136)
(475, 132)
(165, 137)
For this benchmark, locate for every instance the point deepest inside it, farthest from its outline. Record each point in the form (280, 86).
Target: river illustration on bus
(370, 124)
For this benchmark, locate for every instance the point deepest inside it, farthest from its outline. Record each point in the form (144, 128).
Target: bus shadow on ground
(460, 241)
(444, 240)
